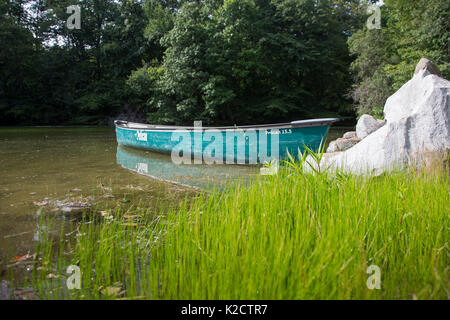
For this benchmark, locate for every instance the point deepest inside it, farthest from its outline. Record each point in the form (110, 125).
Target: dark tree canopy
(220, 61)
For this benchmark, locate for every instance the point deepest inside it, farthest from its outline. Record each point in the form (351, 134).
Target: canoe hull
(244, 145)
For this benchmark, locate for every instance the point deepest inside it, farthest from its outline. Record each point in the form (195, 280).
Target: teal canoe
(228, 145)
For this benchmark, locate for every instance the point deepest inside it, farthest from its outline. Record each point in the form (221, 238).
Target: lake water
(39, 166)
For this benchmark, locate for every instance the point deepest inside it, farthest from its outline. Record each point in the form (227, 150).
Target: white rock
(417, 125)
(350, 135)
(367, 125)
(342, 144)
(332, 147)
(425, 64)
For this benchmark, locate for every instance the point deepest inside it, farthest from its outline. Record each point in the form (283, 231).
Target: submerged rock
(64, 206)
(417, 129)
(4, 290)
(8, 292)
(72, 207)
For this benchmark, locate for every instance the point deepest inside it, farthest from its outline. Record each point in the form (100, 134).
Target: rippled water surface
(44, 165)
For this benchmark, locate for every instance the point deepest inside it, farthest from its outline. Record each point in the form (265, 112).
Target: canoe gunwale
(293, 124)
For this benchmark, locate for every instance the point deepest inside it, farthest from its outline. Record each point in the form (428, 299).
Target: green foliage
(252, 61)
(372, 86)
(220, 61)
(290, 236)
(52, 75)
(419, 29)
(142, 83)
(386, 58)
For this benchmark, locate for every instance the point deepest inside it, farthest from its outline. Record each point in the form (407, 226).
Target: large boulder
(368, 125)
(418, 126)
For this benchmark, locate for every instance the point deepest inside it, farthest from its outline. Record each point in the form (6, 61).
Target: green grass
(290, 236)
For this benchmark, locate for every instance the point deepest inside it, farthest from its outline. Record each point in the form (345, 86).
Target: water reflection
(161, 167)
(80, 164)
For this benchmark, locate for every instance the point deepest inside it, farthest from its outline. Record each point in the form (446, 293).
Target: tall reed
(289, 236)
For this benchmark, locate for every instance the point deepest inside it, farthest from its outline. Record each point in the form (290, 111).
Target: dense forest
(220, 61)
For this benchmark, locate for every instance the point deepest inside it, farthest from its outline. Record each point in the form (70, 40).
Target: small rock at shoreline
(368, 125)
(342, 144)
(350, 135)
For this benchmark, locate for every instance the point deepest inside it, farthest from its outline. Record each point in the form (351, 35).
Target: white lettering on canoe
(141, 136)
(281, 131)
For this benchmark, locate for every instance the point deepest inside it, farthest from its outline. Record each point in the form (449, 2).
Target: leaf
(291, 158)
(22, 258)
(129, 224)
(111, 291)
(407, 215)
(40, 204)
(131, 216)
